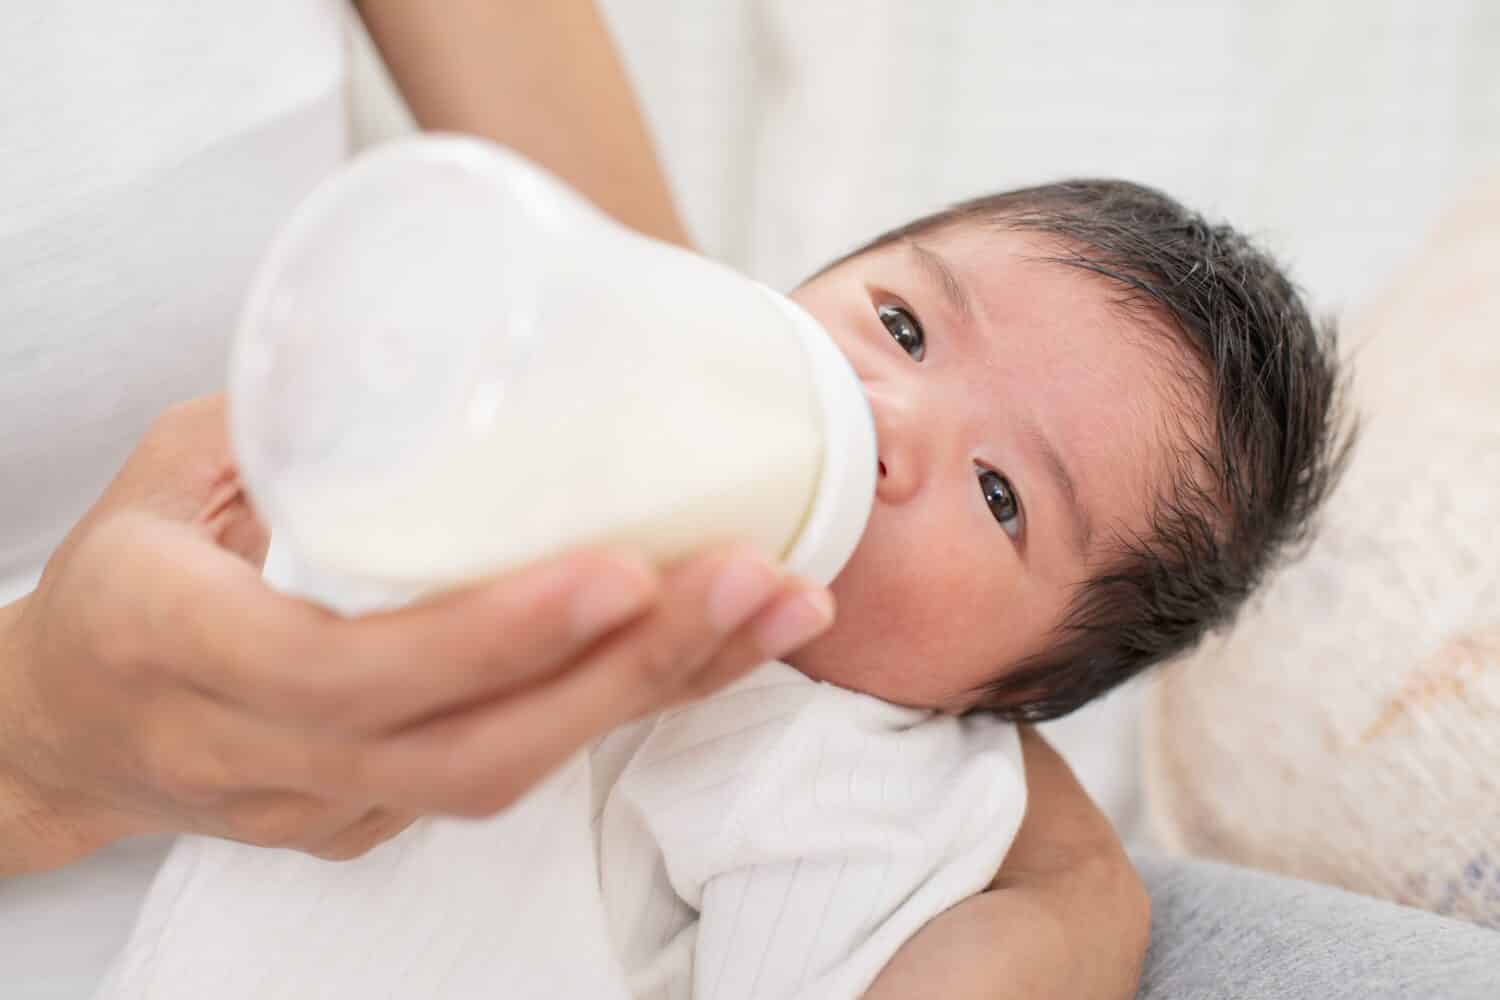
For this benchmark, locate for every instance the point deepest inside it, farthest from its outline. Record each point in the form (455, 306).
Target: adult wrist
(35, 833)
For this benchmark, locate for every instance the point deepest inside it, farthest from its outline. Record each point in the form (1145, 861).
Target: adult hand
(153, 683)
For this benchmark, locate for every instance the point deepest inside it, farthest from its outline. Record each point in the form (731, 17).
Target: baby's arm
(1067, 917)
(854, 823)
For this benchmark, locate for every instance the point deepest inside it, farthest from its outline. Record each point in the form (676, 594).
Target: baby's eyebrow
(1083, 525)
(937, 269)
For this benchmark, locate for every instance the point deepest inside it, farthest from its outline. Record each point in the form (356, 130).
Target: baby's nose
(899, 452)
(897, 481)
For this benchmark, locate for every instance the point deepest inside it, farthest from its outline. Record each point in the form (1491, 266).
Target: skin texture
(940, 595)
(1067, 917)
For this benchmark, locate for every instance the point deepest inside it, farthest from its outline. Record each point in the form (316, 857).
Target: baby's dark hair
(1243, 492)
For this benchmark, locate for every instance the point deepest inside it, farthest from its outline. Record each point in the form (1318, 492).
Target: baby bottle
(450, 363)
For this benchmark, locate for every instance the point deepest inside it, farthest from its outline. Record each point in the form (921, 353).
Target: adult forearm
(18, 812)
(542, 78)
(30, 837)
(31, 834)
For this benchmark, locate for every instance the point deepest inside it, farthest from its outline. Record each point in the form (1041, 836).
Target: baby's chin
(842, 655)
(847, 657)
(808, 661)
(862, 652)
(852, 653)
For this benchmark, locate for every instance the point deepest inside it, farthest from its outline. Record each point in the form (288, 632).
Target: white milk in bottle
(451, 364)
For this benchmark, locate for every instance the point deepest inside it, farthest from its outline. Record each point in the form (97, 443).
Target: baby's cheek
(888, 640)
(866, 632)
(917, 621)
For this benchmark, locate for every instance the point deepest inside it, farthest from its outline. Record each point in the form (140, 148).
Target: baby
(1099, 417)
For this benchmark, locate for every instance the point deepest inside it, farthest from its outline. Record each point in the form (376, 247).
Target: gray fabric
(1223, 932)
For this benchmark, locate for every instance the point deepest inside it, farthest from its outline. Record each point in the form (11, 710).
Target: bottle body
(451, 364)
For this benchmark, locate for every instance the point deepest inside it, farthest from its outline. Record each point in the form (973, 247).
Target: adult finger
(421, 662)
(479, 760)
(799, 613)
(209, 617)
(200, 753)
(394, 668)
(280, 819)
(374, 828)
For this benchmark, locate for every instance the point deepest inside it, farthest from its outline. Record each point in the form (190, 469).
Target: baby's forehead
(985, 254)
(1042, 302)
(1009, 275)
(1046, 270)
(1019, 283)
(1035, 252)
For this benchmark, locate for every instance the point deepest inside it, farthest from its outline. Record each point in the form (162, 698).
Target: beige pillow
(1348, 729)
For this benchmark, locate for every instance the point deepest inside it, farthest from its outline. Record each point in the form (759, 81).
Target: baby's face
(1023, 425)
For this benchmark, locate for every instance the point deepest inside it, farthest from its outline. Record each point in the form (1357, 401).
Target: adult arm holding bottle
(153, 683)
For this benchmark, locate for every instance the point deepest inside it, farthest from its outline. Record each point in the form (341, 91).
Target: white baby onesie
(781, 838)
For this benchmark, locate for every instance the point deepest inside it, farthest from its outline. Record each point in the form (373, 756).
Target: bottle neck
(845, 491)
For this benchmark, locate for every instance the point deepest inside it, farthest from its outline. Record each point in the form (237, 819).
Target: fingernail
(610, 601)
(740, 590)
(794, 622)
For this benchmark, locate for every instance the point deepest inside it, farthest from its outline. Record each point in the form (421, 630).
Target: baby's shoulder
(776, 730)
(776, 764)
(775, 699)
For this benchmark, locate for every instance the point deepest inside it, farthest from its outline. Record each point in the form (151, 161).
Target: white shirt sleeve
(815, 829)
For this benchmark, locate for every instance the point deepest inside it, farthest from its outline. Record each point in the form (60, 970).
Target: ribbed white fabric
(781, 838)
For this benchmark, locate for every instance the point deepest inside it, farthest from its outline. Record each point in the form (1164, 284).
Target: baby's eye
(1000, 496)
(904, 329)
